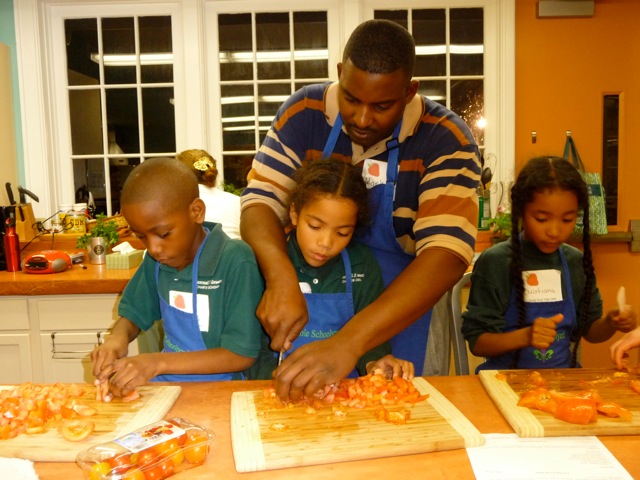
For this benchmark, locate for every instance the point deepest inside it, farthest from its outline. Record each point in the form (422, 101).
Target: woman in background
(222, 207)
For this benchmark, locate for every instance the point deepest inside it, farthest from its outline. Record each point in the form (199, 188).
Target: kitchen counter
(76, 280)
(208, 404)
(93, 279)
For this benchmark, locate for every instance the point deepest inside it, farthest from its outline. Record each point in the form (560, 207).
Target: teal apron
(182, 332)
(558, 355)
(380, 237)
(328, 312)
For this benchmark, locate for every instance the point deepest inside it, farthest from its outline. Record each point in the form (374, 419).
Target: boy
(213, 335)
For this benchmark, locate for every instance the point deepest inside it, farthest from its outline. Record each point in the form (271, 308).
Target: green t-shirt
(229, 280)
(367, 284)
(491, 286)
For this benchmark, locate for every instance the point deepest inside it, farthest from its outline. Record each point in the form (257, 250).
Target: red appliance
(46, 261)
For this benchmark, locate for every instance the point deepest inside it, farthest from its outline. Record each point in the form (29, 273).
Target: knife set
(25, 220)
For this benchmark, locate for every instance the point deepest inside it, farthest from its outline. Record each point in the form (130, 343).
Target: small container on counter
(63, 211)
(76, 219)
(164, 448)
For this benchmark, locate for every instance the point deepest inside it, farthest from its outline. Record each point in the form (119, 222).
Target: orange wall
(564, 67)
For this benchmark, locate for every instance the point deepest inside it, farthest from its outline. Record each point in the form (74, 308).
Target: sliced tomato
(581, 411)
(76, 429)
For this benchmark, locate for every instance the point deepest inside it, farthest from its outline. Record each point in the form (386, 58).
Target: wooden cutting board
(533, 423)
(113, 420)
(313, 439)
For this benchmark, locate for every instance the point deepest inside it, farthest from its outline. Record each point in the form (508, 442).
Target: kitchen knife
(24, 193)
(12, 201)
(621, 299)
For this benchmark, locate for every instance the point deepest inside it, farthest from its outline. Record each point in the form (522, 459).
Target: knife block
(26, 229)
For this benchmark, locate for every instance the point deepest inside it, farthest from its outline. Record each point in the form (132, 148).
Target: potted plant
(99, 238)
(500, 227)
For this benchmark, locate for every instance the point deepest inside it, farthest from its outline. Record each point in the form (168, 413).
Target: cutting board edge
(521, 419)
(469, 433)
(246, 436)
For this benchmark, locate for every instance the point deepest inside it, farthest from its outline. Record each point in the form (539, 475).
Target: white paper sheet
(510, 457)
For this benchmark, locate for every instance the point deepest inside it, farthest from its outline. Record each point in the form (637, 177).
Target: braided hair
(538, 175)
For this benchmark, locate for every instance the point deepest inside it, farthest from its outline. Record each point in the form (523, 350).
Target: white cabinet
(48, 338)
(15, 344)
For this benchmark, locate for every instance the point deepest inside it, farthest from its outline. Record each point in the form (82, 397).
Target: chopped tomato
(577, 410)
(635, 385)
(75, 430)
(612, 409)
(539, 399)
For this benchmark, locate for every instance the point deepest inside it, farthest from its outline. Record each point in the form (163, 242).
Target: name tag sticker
(183, 302)
(374, 172)
(542, 286)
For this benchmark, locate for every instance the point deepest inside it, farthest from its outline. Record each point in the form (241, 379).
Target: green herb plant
(500, 226)
(103, 228)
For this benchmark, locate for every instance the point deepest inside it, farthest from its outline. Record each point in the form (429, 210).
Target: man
(421, 165)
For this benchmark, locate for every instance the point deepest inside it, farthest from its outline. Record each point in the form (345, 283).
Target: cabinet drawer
(77, 312)
(14, 314)
(65, 356)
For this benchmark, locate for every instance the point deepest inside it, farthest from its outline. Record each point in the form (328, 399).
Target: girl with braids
(534, 297)
(337, 277)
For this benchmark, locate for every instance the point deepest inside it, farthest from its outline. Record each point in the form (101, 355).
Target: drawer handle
(71, 354)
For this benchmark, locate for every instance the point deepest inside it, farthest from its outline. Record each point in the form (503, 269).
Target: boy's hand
(125, 374)
(623, 320)
(392, 367)
(543, 331)
(620, 348)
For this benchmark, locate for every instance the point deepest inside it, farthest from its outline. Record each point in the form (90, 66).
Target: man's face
(372, 104)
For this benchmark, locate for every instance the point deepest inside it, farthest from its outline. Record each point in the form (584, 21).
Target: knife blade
(621, 298)
(280, 357)
(12, 201)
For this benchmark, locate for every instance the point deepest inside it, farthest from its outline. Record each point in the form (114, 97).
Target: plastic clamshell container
(168, 447)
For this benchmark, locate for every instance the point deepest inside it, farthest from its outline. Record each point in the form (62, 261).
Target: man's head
(160, 202)
(381, 46)
(375, 80)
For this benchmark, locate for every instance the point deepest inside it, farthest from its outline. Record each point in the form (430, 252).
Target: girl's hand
(543, 331)
(623, 321)
(620, 348)
(392, 367)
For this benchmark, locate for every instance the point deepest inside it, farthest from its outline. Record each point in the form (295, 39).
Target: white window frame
(198, 116)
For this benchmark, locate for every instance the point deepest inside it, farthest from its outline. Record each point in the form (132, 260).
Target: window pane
(122, 114)
(156, 73)
(155, 34)
(467, 100)
(435, 90)
(311, 45)
(398, 16)
(118, 39)
(467, 40)
(88, 176)
(236, 48)
(82, 40)
(429, 32)
(236, 168)
(159, 120)
(86, 131)
(270, 98)
(239, 135)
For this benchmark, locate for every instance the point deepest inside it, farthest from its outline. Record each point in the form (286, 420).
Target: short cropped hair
(381, 46)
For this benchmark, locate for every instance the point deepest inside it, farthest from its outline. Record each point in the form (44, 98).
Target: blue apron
(380, 237)
(328, 312)
(558, 355)
(181, 329)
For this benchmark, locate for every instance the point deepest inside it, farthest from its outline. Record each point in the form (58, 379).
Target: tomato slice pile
(580, 408)
(31, 408)
(373, 390)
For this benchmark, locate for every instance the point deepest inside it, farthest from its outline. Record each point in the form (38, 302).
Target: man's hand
(543, 331)
(282, 311)
(312, 366)
(620, 348)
